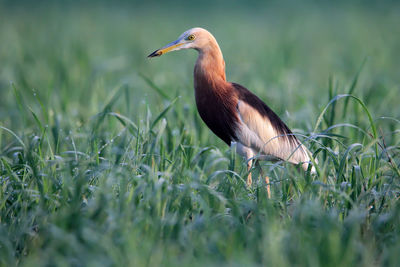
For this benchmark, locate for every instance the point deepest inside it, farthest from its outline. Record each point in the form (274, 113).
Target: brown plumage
(231, 111)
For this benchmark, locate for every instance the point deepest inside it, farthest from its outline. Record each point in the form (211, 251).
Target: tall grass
(104, 160)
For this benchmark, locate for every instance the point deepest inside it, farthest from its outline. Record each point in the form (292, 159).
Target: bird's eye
(191, 37)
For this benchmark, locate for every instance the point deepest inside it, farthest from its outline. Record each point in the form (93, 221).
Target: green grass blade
(153, 86)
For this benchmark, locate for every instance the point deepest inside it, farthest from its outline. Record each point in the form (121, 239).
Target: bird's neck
(210, 66)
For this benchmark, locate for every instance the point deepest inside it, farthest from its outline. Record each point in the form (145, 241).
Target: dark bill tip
(156, 53)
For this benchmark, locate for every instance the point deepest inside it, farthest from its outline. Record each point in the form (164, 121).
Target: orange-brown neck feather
(215, 98)
(210, 64)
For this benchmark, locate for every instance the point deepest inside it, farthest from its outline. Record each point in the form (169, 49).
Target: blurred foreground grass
(104, 160)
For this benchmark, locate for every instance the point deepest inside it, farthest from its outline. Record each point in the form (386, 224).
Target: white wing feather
(257, 132)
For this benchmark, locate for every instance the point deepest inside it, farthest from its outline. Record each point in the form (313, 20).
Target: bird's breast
(217, 108)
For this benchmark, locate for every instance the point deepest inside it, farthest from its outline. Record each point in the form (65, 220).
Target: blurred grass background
(105, 161)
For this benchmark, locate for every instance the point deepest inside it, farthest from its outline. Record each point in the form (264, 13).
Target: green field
(104, 160)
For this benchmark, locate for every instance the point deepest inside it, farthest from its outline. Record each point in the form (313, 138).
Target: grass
(105, 161)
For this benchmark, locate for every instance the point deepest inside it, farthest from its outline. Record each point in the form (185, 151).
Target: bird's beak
(169, 47)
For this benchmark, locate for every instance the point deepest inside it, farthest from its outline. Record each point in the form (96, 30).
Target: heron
(232, 112)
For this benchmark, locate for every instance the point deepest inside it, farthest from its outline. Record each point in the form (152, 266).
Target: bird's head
(196, 38)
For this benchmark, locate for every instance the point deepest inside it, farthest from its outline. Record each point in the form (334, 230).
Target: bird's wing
(262, 130)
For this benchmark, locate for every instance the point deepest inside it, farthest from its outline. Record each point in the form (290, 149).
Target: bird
(232, 112)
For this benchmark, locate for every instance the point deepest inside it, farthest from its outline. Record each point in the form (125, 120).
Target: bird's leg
(249, 180)
(266, 179)
(248, 155)
(268, 186)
